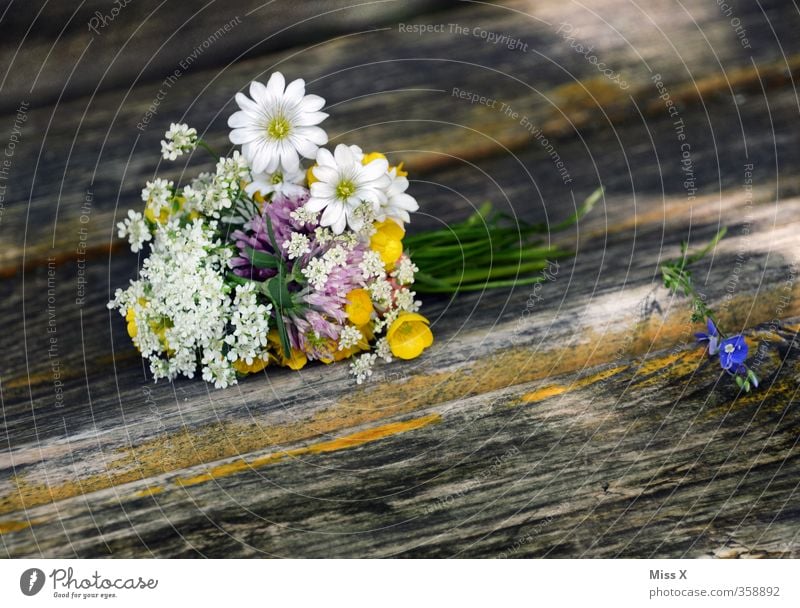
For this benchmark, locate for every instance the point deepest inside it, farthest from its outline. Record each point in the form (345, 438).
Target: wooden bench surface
(573, 419)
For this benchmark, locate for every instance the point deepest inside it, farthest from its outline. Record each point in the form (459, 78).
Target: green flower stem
(495, 272)
(486, 250)
(202, 144)
(678, 278)
(450, 289)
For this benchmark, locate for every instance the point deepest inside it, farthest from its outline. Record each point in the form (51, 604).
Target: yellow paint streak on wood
(771, 396)
(769, 75)
(545, 392)
(682, 361)
(14, 526)
(343, 443)
(151, 491)
(62, 252)
(601, 375)
(33, 379)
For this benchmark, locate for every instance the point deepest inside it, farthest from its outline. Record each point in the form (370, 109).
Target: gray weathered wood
(414, 77)
(72, 50)
(590, 427)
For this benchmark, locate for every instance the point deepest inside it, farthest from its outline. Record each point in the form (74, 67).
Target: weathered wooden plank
(133, 431)
(62, 51)
(413, 77)
(631, 461)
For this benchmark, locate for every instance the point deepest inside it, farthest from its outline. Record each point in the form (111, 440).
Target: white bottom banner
(374, 583)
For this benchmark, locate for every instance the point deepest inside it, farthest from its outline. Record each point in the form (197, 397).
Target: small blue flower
(712, 337)
(732, 354)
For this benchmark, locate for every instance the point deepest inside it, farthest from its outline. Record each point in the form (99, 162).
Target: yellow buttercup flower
(368, 158)
(359, 307)
(259, 199)
(310, 177)
(159, 328)
(391, 229)
(297, 360)
(241, 366)
(387, 241)
(409, 335)
(165, 213)
(130, 318)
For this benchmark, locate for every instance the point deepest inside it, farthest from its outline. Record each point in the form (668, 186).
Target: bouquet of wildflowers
(266, 261)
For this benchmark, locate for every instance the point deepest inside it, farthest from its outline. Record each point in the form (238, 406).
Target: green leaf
(235, 278)
(283, 335)
(699, 255)
(487, 250)
(277, 291)
(273, 241)
(480, 215)
(261, 259)
(587, 206)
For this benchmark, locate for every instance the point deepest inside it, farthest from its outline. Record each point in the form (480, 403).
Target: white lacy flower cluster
(212, 194)
(179, 140)
(179, 309)
(250, 323)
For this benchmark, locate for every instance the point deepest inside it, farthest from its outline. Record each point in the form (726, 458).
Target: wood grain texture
(94, 144)
(617, 466)
(63, 50)
(574, 419)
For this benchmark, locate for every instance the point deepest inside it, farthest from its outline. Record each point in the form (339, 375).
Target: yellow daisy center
(278, 127)
(345, 189)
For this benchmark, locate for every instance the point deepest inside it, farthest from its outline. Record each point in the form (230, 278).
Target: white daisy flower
(344, 184)
(398, 204)
(358, 153)
(281, 182)
(277, 125)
